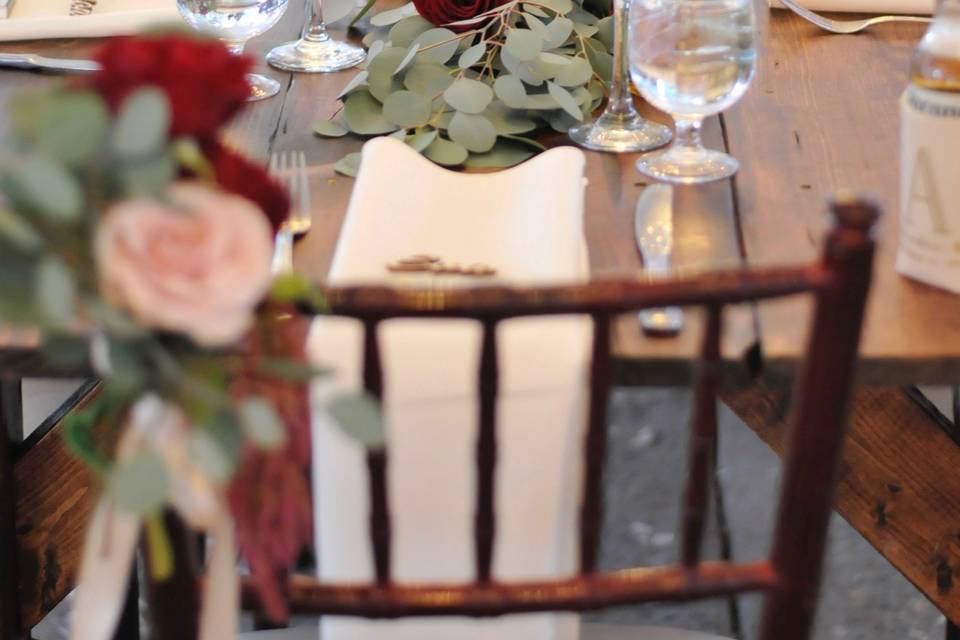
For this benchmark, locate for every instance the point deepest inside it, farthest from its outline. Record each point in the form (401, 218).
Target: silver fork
(290, 168)
(846, 26)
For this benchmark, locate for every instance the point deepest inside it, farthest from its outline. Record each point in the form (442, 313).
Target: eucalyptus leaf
(209, 454)
(407, 109)
(541, 102)
(475, 133)
(43, 184)
(142, 124)
(534, 73)
(348, 165)
(505, 153)
(414, 48)
(535, 25)
(523, 44)
(18, 231)
(574, 74)
(535, 10)
(149, 176)
(565, 100)
(605, 32)
(360, 418)
(403, 33)
(558, 32)
(472, 55)
(364, 115)
(426, 77)
(511, 91)
(392, 16)
(560, 121)
(139, 484)
(422, 140)
(559, 6)
(582, 16)
(260, 423)
(438, 45)
(508, 121)
(601, 61)
(468, 96)
(336, 10)
(373, 48)
(329, 128)
(381, 73)
(446, 152)
(56, 290)
(74, 127)
(356, 81)
(584, 30)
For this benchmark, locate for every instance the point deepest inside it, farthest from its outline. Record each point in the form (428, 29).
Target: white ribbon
(111, 541)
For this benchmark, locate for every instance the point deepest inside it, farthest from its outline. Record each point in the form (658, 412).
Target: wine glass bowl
(234, 22)
(691, 59)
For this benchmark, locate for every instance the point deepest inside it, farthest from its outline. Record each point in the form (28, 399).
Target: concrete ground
(864, 598)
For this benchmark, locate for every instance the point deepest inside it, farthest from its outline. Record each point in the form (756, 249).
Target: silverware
(846, 26)
(35, 61)
(291, 169)
(653, 230)
(82, 7)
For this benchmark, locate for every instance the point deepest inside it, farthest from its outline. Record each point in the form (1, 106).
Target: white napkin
(527, 222)
(913, 7)
(37, 19)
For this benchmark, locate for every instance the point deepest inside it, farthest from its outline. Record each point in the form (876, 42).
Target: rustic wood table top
(820, 116)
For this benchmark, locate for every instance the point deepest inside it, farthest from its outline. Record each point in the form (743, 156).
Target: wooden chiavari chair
(789, 577)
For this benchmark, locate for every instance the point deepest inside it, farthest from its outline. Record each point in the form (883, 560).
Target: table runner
(528, 224)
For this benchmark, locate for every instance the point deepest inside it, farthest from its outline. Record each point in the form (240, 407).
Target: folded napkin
(526, 222)
(914, 7)
(39, 19)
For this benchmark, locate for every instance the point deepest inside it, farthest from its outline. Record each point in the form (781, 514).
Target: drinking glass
(315, 51)
(234, 22)
(692, 59)
(620, 128)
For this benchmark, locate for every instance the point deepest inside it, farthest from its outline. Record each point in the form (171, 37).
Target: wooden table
(821, 116)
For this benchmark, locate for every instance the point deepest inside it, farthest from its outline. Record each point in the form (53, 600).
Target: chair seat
(589, 631)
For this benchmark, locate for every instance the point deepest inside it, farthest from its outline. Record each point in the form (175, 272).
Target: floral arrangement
(132, 237)
(465, 82)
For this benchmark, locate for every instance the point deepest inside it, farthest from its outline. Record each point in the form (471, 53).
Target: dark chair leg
(128, 628)
(953, 631)
(11, 433)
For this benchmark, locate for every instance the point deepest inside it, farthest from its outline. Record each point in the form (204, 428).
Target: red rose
(235, 173)
(443, 12)
(205, 83)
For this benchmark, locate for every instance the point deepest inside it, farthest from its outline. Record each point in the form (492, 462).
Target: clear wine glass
(692, 59)
(315, 51)
(620, 128)
(234, 22)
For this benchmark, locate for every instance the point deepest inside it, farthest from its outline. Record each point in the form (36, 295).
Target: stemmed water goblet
(692, 59)
(315, 51)
(620, 128)
(234, 22)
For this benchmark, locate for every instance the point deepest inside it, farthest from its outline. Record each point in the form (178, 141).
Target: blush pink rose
(197, 264)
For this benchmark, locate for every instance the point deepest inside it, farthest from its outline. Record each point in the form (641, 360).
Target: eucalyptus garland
(470, 93)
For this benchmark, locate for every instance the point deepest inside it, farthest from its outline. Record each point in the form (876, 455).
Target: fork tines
(82, 7)
(290, 168)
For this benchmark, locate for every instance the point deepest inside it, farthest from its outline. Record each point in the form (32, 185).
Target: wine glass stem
(688, 132)
(315, 30)
(621, 102)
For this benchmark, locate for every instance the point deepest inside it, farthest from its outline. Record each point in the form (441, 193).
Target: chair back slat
(703, 438)
(486, 453)
(595, 445)
(380, 527)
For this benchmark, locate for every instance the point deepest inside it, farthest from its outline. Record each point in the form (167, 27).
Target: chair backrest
(789, 576)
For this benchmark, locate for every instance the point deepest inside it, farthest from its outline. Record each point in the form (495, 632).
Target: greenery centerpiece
(467, 84)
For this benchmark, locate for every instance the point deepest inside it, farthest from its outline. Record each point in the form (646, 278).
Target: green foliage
(462, 98)
(359, 416)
